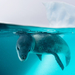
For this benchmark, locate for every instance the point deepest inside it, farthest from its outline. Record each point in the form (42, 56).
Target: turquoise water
(11, 65)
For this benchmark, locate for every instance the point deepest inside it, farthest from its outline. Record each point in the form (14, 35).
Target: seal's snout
(23, 57)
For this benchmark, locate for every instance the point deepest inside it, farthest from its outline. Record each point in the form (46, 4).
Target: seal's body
(40, 43)
(48, 42)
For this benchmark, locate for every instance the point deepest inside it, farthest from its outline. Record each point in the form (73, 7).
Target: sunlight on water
(47, 66)
(42, 67)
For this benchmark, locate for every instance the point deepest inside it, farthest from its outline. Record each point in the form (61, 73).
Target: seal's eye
(18, 48)
(29, 50)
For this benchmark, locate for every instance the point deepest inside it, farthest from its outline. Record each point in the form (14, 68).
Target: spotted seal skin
(41, 43)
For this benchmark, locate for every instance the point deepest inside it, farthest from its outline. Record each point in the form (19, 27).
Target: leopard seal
(40, 43)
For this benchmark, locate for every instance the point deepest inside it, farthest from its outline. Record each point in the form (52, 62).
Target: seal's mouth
(22, 58)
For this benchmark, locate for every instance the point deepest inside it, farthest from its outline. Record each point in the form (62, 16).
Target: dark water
(11, 65)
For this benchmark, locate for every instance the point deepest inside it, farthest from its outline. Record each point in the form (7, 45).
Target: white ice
(60, 14)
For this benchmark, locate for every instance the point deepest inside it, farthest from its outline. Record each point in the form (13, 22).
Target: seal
(40, 43)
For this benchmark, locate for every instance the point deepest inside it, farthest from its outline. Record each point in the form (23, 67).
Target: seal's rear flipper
(58, 60)
(39, 56)
(67, 57)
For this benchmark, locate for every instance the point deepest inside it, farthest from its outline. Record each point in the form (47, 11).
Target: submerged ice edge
(10, 29)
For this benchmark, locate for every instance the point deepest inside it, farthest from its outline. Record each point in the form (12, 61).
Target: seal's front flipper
(68, 57)
(39, 56)
(58, 60)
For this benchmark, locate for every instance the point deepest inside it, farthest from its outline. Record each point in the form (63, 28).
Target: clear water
(11, 65)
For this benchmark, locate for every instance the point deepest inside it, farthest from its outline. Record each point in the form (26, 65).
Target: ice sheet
(60, 14)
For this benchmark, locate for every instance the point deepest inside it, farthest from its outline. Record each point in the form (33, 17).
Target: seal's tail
(67, 57)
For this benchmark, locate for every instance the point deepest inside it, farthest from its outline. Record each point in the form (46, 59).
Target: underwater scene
(33, 50)
(48, 65)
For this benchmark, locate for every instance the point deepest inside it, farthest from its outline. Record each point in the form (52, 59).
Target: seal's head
(24, 45)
